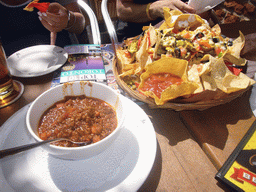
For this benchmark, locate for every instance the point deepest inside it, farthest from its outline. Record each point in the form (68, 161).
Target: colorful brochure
(84, 62)
(90, 63)
(239, 171)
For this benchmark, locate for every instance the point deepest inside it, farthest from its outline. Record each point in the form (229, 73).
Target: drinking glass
(10, 90)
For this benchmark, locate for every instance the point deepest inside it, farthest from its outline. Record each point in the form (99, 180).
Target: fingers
(55, 19)
(172, 5)
(184, 7)
(54, 8)
(53, 22)
(49, 24)
(53, 38)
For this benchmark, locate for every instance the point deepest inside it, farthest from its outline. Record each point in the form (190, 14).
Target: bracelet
(147, 11)
(69, 19)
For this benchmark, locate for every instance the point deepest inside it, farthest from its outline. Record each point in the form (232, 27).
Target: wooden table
(219, 129)
(192, 145)
(182, 137)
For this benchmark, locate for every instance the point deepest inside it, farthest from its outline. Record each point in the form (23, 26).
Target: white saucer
(123, 167)
(36, 60)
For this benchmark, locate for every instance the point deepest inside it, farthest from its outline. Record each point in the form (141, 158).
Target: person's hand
(156, 8)
(55, 19)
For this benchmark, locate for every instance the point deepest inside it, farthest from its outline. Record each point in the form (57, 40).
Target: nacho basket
(177, 106)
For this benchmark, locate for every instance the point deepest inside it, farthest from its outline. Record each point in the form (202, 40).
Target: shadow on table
(153, 179)
(211, 125)
(224, 187)
(35, 80)
(248, 52)
(167, 123)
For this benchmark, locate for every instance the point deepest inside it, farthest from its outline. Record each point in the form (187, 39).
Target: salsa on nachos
(182, 58)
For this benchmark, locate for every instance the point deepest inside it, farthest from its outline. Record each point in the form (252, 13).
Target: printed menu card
(239, 171)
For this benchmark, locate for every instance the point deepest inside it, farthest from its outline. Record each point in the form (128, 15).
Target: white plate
(123, 167)
(36, 60)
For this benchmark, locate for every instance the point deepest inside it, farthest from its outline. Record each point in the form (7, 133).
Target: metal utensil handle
(11, 151)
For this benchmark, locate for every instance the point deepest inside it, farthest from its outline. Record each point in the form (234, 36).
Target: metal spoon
(12, 151)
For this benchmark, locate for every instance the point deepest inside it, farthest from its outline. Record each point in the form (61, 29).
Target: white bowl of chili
(80, 111)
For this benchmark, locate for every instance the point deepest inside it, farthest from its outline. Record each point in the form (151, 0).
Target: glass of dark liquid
(10, 90)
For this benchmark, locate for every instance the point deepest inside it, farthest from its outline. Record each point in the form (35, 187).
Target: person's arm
(58, 18)
(129, 11)
(79, 24)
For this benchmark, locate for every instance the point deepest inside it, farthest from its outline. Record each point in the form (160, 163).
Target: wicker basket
(179, 104)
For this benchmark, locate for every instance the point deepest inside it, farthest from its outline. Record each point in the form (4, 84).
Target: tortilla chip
(233, 83)
(183, 21)
(127, 73)
(206, 66)
(30, 6)
(122, 60)
(175, 67)
(208, 82)
(121, 55)
(193, 76)
(226, 80)
(233, 53)
(170, 16)
(199, 73)
(152, 35)
(40, 6)
(158, 41)
(163, 26)
(130, 66)
(190, 21)
(142, 53)
(216, 28)
(167, 13)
